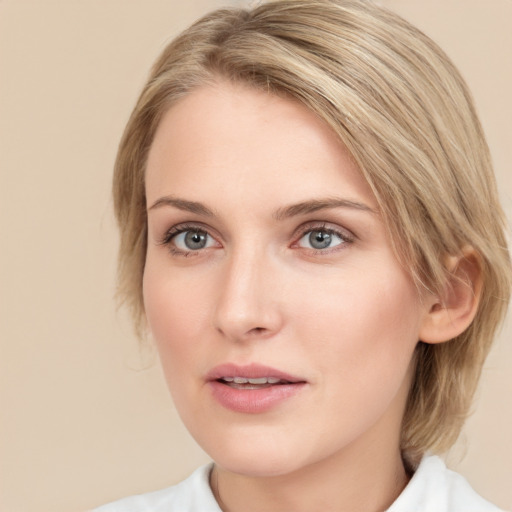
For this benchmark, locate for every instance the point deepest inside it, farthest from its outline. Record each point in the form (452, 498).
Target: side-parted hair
(405, 114)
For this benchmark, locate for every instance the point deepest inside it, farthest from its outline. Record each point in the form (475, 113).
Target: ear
(451, 313)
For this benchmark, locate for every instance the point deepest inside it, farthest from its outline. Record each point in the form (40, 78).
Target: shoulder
(434, 487)
(193, 495)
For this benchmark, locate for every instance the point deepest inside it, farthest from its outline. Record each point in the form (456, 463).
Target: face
(284, 323)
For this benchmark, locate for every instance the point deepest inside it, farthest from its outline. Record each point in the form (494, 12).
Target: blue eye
(320, 239)
(192, 240)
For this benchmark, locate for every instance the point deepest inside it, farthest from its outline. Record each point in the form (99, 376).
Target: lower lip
(253, 401)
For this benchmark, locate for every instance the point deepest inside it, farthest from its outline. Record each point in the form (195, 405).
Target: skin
(346, 319)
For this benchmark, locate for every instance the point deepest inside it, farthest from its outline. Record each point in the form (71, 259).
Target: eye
(192, 240)
(188, 240)
(319, 239)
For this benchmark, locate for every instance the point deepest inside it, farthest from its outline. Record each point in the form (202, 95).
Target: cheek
(176, 312)
(362, 322)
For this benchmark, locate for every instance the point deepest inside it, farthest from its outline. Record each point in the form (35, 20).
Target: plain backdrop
(85, 414)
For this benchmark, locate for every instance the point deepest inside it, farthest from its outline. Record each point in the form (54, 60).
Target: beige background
(85, 415)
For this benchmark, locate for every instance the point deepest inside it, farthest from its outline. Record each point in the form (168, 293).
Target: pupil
(195, 239)
(320, 239)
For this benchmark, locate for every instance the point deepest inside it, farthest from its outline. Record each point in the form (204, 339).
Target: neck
(343, 483)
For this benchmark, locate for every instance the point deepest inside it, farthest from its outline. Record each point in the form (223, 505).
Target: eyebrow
(183, 204)
(314, 205)
(302, 208)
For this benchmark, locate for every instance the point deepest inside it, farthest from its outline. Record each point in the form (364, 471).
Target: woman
(311, 233)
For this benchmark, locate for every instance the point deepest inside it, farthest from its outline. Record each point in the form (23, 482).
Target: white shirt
(433, 488)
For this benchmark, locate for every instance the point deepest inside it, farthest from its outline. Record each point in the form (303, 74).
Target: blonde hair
(405, 114)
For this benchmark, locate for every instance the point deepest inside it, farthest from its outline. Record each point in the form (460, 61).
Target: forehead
(249, 142)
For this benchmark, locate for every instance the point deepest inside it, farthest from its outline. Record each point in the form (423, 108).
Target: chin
(259, 466)
(267, 457)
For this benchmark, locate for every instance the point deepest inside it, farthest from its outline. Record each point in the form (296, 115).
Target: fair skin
(266, 247)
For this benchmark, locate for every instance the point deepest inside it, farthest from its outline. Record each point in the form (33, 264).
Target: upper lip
(251, 371)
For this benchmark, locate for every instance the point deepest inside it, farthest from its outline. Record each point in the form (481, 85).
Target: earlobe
(451, 313)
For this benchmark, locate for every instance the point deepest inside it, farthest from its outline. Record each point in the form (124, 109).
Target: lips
(252, 371)
(252, 388)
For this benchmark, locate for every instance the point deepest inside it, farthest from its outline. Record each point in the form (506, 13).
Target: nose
(248, 306)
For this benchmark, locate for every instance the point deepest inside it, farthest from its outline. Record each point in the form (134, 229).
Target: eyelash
(345, 236)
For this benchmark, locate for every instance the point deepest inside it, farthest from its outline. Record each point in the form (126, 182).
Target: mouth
(253, 388)
(245, 376)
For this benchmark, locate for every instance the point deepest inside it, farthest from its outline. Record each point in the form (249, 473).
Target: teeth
(259, 380)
